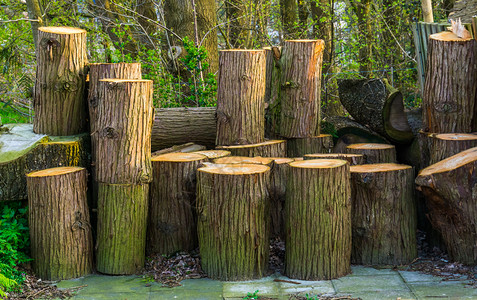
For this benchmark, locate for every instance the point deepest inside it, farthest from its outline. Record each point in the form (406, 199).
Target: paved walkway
(366, 283)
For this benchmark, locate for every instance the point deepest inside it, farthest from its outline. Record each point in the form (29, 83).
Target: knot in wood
(50, 45)
(290, 85)
(69, 86)
(110, 132)
(93, 101)
(114, 86)
(245, 77)
(447, 107)
(145, 178)
(79, 223)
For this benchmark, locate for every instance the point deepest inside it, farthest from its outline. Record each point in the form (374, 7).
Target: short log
(322, 143)
(353, 159)
(374, 153)
(213, 154)
(384, 219)
(318, 220)
(447, 144)
(270, 148)
(233, 220)
(60, 230)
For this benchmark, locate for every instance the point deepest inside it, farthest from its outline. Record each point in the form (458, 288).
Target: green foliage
(253, 295)
(6, 285)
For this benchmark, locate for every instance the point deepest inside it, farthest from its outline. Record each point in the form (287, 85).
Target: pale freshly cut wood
(241, 97)
(318, 219)
(269, 148)
(447, 144)
(58, 99)
(172, 218)
(213, 154)
(374, 153)
(353, 159)
(184, 148)
(233, 220)
(384, 219)
(449, 189)
(60, 230)
(322, 143)
(278, 184)
(244, 160)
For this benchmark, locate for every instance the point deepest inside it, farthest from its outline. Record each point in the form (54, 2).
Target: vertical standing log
(447, 144)
(374, 153)
(241, 97)
(233, 220)
(322, 143)
(271, 148)
(451, 83)
(60, 81)
(278, 184)
(172, 217)
(353, 159)
(318, 219)
(60, 232)
(300, 88)
(272, 92)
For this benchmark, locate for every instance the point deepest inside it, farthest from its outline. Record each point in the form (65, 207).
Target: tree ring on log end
(457, 136)
(319, 163)
(374, 168)
(235, 169)
(55, 171)
(214, 153)
(370, 146)
(243, 160)
(62, 30)
(450, 163)
(179, 157)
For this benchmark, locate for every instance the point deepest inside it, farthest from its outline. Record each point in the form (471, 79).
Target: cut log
(301, 61)
(241, 97)
(233, 220)
(180, 125)
(384, 219)
(172, 217)
(184, 148)
(123, 135)
(449, 189)
(318, 220)
(450, 88)
(272, 92)
(271, 148)
(374, 153)
(352, 159)
(60, 230)
(278, 184)
(244, 160)
(122, 222)
(447, 144)
(213, 154)
(322, 143)
(58, 98)
(22, 151)
(375, 103)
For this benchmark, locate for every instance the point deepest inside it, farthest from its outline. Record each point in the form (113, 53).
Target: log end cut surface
(270, 142)
(243, 160)
(115, 80)
(179, 157)
(282, 160)
(235, 169)
(55, 171)
(331, 156)
(212, 154)
(373, 168)
(62, 30)
(318, 163)
(370, 146)
(447, 36)
(457, 136)
(451, 163)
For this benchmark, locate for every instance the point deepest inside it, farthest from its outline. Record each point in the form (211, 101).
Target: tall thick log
(301, 61)
(241, 97)
(447, 144)
(272, 92)
(322, 143)
(58, 101)
(384, 219)
(60, 232)
(172, 217)
(233, 220)
(244, 160)
(352, 159)
(122, 222)
(374, 153)
(375, 103)
(278, 184)
(449, 189)
(318, 220)
(450, 89)
(123, 131)
(174, 126)
(213, 154)
(270, 148)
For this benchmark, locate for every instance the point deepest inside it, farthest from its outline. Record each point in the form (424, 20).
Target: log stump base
(374, 153)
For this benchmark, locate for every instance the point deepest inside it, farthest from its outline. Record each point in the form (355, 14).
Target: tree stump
(244, 160)
(172, 217)
(449, 189)
(233, 220)
(322, 143)
(450, 87)
(213, 154)
(123, 135)
(447, 144)
(58, 98)
(374, 153)
(122, 222)
(60, 232)
(353, 159)
(384, 219)
(318, 220)
(301, 61)
(278, 184)
(241, 97)
(270, 148)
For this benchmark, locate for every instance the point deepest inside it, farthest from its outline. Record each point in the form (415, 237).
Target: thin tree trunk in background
(34, 12)
(147, 11)
(365, 29)
(427, 11)
(302, 17)
(207, 26)
(288, 11)
(236, 16)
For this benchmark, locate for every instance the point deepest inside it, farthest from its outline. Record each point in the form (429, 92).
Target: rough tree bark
(374, 153)
(60, 81)
(352, 159)
(322, 143)
(233, 205)
(272, 92)
(384, 220)
(445, 145)
(241, 97)
(277, 190)
(271, 148)
(60, 231)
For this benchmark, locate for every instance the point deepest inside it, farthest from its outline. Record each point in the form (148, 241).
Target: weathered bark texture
(241, 97)
(213, 154)
(172, 217)
(184, 148)
(318, 220)
(174, 126)
(384, 219)
(41, 153)
(374, 153)
(322, 143)
(352, 159)
(244, 160)
(60, 231)
(449, 188)
(450, 89)
(445, 145)
(300, 88)
(277, 190)
(123, 131)
(375, 103)
(122, 222)
(58, 101)
(270, 148)
(233, 221)
(272, 92)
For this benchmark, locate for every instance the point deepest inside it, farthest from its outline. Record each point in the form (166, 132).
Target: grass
(10, 115)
